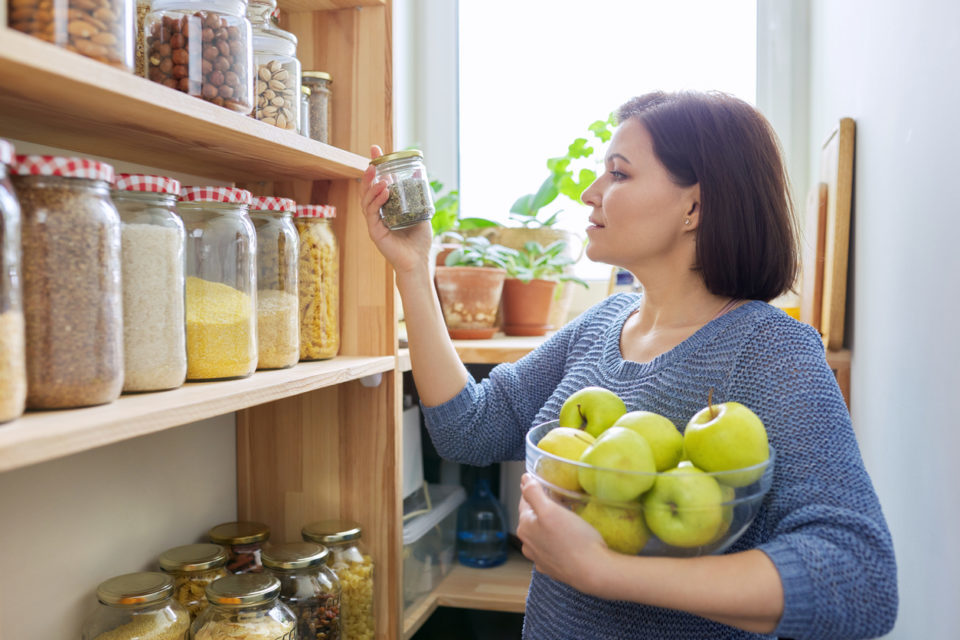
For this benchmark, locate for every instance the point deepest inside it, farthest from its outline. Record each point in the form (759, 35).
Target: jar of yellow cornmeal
(319, 283)
(221, 282)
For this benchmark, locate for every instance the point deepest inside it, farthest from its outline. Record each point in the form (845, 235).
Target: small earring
(687, 221)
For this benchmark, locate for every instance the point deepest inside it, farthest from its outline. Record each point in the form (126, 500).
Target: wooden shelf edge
(46, 435)
(403, 360)
(326, 5)
(500, 348)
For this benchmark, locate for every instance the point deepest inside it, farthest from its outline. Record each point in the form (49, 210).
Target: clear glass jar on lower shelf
(13, 366)
(135, 606)
(245, 607)
(308, 587)
(244, 542)
(193, 567)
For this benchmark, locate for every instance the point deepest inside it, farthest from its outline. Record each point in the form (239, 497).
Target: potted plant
(469, 285)
(448, 226)
(532, 275)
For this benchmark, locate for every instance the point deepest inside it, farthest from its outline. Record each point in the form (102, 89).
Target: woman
(694, 203)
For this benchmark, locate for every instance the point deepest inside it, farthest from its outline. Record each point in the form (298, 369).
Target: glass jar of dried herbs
(411, 199)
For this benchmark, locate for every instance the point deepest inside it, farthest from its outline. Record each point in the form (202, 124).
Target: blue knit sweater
(821, 522)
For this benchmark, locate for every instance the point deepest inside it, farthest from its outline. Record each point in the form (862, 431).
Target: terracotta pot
(469, 297)
(526, 307)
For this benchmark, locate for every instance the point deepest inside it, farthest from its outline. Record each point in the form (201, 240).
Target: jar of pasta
(221, 282)
(319, 84)
(245, 607)
(410, 199)
(13, 368)
(152, 252)
(319, 283)
(72, 300)
(243, 542)
(193, 567)
(308, 587)
(354, 568)
(277, 69)
(136, 606)
(278, 307)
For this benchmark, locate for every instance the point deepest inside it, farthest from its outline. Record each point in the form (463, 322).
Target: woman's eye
(617, 175)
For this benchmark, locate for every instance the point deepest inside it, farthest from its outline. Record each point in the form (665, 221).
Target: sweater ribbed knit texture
(821, 523)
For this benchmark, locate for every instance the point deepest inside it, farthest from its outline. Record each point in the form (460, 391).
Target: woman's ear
(691, 218)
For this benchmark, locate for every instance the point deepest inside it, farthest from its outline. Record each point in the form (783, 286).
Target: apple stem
(713, 412)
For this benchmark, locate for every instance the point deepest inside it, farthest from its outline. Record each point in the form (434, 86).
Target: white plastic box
(430, 542)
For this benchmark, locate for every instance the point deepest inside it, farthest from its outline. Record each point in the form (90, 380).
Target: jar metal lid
(272, 204)
(135, 589)
(230, 195)
(305, 90)
(239, 533)
(315, 211)
(321, 75)
(397, 155)
(35, 165)
(294, 555)
(6, 152)
(243, 590)
(331, 531)
(193, 557)
(151, 184)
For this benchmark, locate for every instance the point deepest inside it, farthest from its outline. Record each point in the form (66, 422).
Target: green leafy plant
(477, 252)
(536, 262)
(446, 217)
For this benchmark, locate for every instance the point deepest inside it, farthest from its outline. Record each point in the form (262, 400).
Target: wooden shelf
(46, 435)
(403, 360)
(500, 348)
(326, 5)
(54, 97)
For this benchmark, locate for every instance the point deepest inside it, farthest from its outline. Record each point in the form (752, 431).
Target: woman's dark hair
(746, 238)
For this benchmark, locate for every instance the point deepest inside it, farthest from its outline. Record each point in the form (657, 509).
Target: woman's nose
(591, 195)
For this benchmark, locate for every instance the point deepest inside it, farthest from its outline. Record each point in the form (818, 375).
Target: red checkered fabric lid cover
(151, 184)
(315, 211)
(230, 195)
(63, 167)
(270, 203)
(6, 152)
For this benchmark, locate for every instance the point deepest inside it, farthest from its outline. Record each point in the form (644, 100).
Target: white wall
(893, 67)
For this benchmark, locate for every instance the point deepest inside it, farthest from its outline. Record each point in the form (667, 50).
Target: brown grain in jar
(243, 542)
(319, 84)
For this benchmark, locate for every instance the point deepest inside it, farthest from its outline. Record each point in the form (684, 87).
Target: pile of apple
(679, 493)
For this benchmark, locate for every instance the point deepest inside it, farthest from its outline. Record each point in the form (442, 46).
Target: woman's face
(638, 211)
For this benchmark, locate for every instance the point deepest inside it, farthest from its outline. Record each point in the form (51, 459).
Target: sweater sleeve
(824, 527)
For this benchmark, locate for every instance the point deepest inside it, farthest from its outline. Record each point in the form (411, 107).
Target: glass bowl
(685, 512)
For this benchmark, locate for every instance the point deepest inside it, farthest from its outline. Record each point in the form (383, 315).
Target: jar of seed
(319, 84)
(319, 283)
(71, 281)
(136, 606)
(308, 587)
(243, 542)
(410, 199)
(13, 367)
(193, 567)
(245, 607)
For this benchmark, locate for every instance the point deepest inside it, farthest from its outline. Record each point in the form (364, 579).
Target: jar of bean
(410, 199)
(136, 606)
(193, 567)
(243, 542)
(319, 84)
(221, 282)
(319, 283)
(354, 568)
(245, 607)
(278, 306)
(202, 48)
(152, 252)
(71, 281)
(277, 78)
(13, 368)
(308, 587)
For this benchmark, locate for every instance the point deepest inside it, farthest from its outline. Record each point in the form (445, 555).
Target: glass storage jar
(202, 48)
(277, 94)
(319, 283)
(319, 84)
(410, 200)
(13, 367)
(278, 308)
(72, 300)
(135, 606)
(193, 567)
(243, 542)
(221, 282)
(354, 568)
(308, 587)
(98, 29)
(152, 258)
(305, 111)
(245, 607)
(139, 41)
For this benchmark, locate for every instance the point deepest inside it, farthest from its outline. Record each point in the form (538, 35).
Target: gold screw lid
(322, 75)
(193, 557)
(135, 589)
(239, 533)
(331, 531)
(294, 555)
(397, 155)
(243, 590)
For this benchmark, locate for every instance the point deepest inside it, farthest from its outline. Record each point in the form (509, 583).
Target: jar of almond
(278, 70)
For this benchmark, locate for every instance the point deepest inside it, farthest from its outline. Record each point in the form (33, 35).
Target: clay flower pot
(526, 306)
(469, 297)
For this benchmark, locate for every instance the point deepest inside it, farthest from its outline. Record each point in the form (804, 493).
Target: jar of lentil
(98, 29)
(243, 542)
(221, 282)
(202, 48)
(411, 199)
(71, 281)
(13, 368)
(277, 95)
(319, 84)
(305, 111)
(152, 255)
(245, 607)
(308, 587)
(193, 567)
(319, 283)
(135, 606)
(354, 568)
(278, 307)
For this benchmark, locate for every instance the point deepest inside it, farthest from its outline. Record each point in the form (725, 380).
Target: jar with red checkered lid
(13, 371)
(153, 262)
(319, 283)
(278, 309)
(71, 281)
(221, 282)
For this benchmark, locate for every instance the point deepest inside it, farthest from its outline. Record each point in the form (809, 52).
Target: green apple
(661, 434)
(592, 409)
(622, 528)
(616, 451)
(684, 507)
(566, 443)
(728, 494)
(726, 437)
